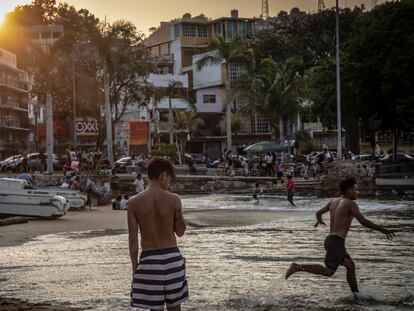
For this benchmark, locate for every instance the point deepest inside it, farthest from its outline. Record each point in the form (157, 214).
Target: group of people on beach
(159, 271)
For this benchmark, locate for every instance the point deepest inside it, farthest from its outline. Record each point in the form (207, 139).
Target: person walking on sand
(290, 188)
(342, 211)
(159, 275)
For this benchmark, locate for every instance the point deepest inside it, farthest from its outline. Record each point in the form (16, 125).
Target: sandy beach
(104, 218)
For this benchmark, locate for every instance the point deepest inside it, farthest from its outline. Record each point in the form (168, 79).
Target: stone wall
(333, 173)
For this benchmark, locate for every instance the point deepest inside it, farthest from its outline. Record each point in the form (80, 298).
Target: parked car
(33, 162)
(365, 157)
(121, 164)
(400, 157)
(11, 163)
(198, 158)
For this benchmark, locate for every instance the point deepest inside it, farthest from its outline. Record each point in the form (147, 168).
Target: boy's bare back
(155, 211)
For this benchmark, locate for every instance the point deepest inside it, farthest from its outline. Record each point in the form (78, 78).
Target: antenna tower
(321, 5)
(265, 9)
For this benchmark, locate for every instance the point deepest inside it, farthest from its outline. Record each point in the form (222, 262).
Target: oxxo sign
(87, 127)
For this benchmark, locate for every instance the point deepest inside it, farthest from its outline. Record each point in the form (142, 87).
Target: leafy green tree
(232, 52)
(273, 91)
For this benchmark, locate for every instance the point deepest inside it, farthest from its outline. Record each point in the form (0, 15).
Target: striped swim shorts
(159, 280)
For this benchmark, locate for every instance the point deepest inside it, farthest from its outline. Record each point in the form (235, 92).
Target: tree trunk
(170, 120)
(108, 117)
(395, 144)
(49, 132)
(178, 150)
(288, 134)
(228, 110)
(281, 131)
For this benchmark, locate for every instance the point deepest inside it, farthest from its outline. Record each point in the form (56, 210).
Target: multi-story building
(14, 117)
(176, 46)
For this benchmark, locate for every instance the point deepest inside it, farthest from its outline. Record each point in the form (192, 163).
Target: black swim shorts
(335, 251)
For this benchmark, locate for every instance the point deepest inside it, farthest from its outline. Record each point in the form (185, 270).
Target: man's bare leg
(174, 308)
(350, 274)
(314, 269)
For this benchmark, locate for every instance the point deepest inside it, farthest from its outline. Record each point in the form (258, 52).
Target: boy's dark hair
(257, 184)
(157, 166)
(346, 184)
(139, 176)
(126, 197)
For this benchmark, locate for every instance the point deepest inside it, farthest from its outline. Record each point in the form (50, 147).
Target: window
(202, 31)
(217, 28)
(45, 35)
(209, 99)
(239, 103)
(262, 124)
(231, 29)
(246, 29)
(189, 30)
(235, 72)
(56, 35)
(177, 30)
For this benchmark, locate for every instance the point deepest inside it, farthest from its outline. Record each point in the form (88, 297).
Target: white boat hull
(17, 201)
(76, 200)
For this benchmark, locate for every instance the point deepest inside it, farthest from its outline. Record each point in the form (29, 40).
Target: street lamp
(338, 88)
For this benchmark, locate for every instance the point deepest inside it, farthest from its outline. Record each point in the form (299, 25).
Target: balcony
(166, 59)
(13, 105)
(20, 86)
(14, 124)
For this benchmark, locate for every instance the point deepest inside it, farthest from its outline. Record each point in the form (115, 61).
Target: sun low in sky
(149, 13)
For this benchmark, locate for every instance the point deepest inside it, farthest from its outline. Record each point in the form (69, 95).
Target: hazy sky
(148, 13)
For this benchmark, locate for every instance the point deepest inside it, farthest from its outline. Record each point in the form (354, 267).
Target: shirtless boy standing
(159, 276)
(342, 211)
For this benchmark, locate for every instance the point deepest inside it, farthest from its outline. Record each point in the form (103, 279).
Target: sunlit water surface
(231, 268)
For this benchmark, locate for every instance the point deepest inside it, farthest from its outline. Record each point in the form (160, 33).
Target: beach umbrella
(263, 147)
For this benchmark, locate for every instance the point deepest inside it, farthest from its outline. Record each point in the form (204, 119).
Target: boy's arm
(133, 238)
(179, 222)
(319, 214)
(367, 223)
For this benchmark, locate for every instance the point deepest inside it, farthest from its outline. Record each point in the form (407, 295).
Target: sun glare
(8, 7)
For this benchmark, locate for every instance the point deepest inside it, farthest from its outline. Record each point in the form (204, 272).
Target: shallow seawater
(229, 268)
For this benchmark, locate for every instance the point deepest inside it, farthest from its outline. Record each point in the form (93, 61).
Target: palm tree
(237, 119)
(45, 62)
(107, 39)
(272, 91)
(231, 53)
(186, 122)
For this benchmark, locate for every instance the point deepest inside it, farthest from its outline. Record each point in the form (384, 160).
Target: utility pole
(338, 88)
(74, 98)
(265, 9)
(321, 5)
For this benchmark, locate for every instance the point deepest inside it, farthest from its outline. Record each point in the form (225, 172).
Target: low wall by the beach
(333, 173)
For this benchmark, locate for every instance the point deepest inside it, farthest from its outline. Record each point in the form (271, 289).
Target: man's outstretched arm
(367, 223)
(133, 239)
(319, 214)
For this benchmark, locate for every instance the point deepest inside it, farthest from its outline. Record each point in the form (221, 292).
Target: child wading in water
(256, 192)
(290, 187)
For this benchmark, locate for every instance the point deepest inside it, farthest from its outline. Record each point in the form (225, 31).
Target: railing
(16, 84)
(14, 123)
(164, 59)
(13, 103)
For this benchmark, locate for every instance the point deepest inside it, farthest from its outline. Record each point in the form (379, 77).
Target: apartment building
(176, 46)
(14, 117)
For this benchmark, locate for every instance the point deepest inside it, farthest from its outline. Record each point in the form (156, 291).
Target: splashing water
(229, 268)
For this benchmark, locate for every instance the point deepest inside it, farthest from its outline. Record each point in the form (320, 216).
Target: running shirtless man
(159, 276)
(342, 211)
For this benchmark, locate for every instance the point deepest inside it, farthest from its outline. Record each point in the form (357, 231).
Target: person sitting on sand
(124, 203)
(342, 211)
(159, 276)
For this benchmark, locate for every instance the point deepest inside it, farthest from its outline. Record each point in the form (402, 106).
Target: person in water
(342, 211)
(159, 276)
(290, 189)
(256, 192)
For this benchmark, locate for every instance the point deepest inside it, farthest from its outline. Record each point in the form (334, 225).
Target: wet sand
(104, 218)
(17, 305)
